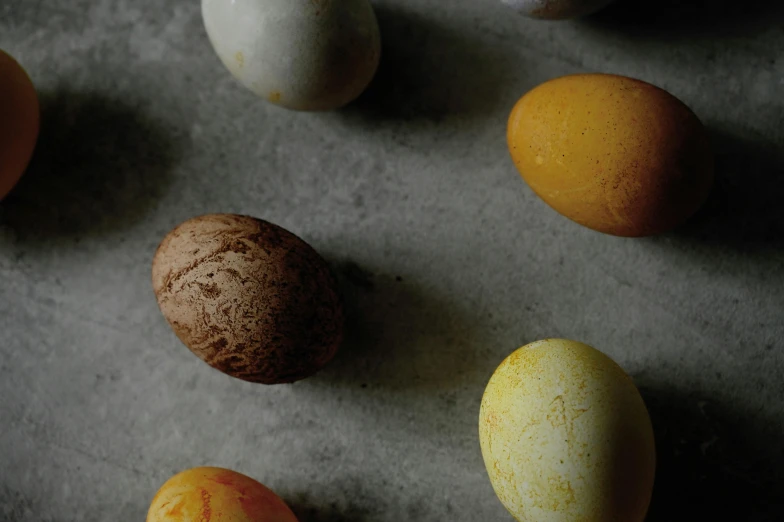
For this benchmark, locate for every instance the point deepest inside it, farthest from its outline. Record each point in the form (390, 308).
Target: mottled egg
(248, 297)
(556, 9)
(216, 494)
(566, 436)
(308, 55)
(19, 121)
(615, 154)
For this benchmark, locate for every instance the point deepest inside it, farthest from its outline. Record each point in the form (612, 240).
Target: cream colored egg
(307, 55)
(566, 436)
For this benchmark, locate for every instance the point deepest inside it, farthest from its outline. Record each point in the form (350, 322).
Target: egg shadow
(430, 72)
(307, 509)
(715, 461)
(99, 165)
(688, 19)
(401, 335)
(744, 209)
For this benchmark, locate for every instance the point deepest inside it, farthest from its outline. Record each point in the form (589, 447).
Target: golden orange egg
(202, 494)
(615, 154)
(19, 120)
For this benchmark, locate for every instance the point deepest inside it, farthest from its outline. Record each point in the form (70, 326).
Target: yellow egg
(205, 494)
(612, 153)
(18, 122)
(566, 437)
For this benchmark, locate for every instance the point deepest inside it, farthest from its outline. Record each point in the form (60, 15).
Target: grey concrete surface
(447, 260)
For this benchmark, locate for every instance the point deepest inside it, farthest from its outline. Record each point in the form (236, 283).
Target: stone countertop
(447, 260)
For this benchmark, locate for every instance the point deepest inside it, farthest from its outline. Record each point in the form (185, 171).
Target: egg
(556, 9)
(566, 436)
(248, 297)
(615, 154)
(19, 121)
(309, 55)
(204, 494)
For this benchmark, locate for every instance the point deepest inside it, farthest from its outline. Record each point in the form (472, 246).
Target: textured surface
(248, 297)
(447, 260)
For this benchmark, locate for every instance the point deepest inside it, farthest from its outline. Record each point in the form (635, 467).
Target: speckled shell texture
(615, 154)
(248, 297)
(557, 9)
(217, 495)
(310, 55)
(566, 437)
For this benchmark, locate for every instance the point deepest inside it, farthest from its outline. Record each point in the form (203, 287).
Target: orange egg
(19, 120)
(201, 494)
(614, 154)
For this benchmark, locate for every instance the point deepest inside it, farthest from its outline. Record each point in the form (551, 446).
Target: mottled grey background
(447, 260)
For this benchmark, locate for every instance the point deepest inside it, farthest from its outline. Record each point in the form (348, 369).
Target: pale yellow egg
(566, 436)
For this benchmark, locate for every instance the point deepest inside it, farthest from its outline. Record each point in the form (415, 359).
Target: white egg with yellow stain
(566, 436)
(308, 55)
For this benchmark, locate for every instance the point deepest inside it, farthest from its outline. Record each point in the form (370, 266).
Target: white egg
(556, 9)
(301, 54)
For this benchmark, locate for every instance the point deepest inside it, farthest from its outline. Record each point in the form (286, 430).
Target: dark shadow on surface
(744, 209)
(400, 334)
(689, 18)
(429, 72)
(100, 163)
(309, 511)
(715, 461)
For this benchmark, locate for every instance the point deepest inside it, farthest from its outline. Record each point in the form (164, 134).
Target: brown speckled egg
(248, 297)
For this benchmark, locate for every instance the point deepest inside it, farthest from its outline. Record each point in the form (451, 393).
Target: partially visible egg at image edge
(566, 436)
(211, 493)
(557, 9)
(19, 122)
(302, 55)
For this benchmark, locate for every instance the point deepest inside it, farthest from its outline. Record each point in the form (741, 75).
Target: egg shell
(248, 297)
(19, 122)
(615, 154)
(308, 55)
(556, 9)
(566, 437)
(207, 494)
